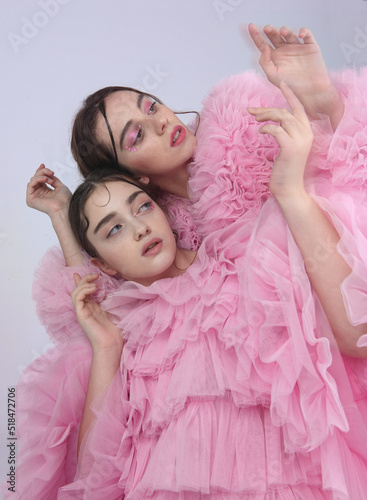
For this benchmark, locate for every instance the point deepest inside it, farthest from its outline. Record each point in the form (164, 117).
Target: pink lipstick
(152, 247)
(178, 135)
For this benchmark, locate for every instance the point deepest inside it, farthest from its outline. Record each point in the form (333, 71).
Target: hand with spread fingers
(297, 61)
(293, 132)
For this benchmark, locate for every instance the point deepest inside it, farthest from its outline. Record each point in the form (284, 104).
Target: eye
(135, 138)
(149, 106)
(114, 230)
(145, 207)
(138, 136)
(152, 108)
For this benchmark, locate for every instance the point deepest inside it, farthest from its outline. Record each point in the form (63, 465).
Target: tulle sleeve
(50, 400)
(348, 211)
(348, 149)
(51, 392)
(232, 165)
(105, 452)
(53, 284)
(345, 199)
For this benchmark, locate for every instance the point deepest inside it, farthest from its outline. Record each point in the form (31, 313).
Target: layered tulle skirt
(231, 384)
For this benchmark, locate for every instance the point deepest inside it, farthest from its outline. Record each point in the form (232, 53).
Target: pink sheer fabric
(231, 385)
(229, 394)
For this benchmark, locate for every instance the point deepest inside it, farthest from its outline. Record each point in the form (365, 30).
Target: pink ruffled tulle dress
(230, 385)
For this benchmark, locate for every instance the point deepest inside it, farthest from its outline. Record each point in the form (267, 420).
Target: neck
(183, 260)
(175, 183)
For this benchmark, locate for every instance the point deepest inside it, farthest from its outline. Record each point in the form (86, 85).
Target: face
(130, 233)
(149, 137)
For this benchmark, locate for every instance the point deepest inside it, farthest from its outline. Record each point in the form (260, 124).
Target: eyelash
(139, 135)
(152, 107)
(149, 206)
(110, 233)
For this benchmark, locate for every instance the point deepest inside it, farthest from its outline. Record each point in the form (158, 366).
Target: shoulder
(243, 90)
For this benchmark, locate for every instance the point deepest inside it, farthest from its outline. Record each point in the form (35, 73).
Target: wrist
(292, 199)
(328, 100)
(329, 103)
(109, 348)
(70, 247)
(287, 189)
(60, 217)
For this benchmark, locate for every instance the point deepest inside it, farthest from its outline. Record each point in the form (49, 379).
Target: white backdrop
(55, 52)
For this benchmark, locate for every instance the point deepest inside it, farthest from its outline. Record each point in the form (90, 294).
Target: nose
(141, 229)
(160, 122)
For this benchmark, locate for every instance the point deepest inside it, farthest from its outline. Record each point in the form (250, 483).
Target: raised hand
(46, 193)
(106, 342)
(293, 132)
(96, 323)
(297, 61)
(310, 227)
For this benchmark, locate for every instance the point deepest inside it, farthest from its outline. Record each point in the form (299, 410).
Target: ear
(144, 179)
(103, 266)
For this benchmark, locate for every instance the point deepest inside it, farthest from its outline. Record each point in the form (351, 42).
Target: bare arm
(308, 224)
(106, 342)
(46, 193)
(297, 61)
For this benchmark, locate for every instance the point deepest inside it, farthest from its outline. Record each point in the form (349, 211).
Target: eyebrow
(129, 123)
(104, 221)
(134, 195)
(111, 215)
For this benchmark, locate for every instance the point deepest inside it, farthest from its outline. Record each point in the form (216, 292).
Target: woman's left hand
(102, 333)
(46, 193)
(297, 61)
(294, 135)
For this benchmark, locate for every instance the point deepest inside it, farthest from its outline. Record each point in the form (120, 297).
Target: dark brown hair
(88, 153)
(78, 220)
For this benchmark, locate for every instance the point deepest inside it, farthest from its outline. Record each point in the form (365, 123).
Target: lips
(152, 247)
(177, 136)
